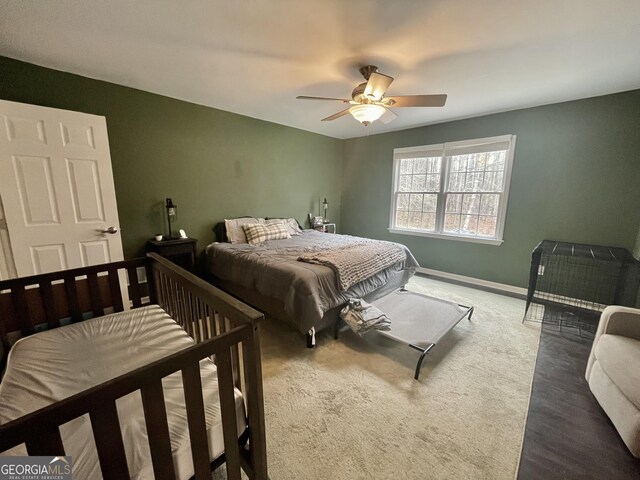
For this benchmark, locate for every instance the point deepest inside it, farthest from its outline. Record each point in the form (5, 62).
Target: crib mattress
(52, 365)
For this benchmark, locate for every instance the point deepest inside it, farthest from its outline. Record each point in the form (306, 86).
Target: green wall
(576, 177)
(213, 164)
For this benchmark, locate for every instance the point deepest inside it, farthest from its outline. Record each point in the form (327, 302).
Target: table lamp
(172, 212)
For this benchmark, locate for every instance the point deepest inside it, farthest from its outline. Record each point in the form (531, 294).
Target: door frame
(7, 265)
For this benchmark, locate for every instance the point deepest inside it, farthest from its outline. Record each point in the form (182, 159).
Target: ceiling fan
(369, 104)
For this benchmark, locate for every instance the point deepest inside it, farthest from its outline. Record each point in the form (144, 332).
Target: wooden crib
(222, 327)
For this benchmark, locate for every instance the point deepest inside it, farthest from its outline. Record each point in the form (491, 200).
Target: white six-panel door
(56, 184)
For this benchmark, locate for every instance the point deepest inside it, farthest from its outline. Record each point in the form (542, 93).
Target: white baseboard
(474, 281)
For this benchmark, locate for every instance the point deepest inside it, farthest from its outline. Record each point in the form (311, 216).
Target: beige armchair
(613, 371)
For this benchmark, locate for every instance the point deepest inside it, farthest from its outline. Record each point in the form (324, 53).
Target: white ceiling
(254, 56)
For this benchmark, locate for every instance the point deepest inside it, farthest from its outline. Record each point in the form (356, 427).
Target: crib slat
(22, 309)
(114, 288)
(207, 319)
(188, 319)
(161, 295)
(46, 292)
(211, 315)
(134, 286)
(184, 314)
(166, 304)
(193, 308)
(220, 323)
(155, 417)
(196, 419)
(151, 285)
(228, 411)
(171, 299)
(71, 290)
(202, 320)
(94, 293)
(173, 294)
(46, 443)
(108, 437)
(235, 362)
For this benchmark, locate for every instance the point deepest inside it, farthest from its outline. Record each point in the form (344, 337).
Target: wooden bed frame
(223, 328)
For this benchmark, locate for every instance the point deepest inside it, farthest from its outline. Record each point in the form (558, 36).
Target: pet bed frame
(222, 327)
(418, 320)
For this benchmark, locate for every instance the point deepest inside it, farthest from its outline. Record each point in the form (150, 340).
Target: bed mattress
(55, 364)
(308, 291)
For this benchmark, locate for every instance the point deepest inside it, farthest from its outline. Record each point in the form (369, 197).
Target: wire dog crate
(571, 283)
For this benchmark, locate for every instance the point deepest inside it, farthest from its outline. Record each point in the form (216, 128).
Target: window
(453, 190)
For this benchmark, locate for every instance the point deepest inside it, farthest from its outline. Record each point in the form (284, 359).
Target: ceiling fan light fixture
(366, 113)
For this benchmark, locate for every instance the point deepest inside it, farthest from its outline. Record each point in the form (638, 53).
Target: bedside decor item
(171, 215)
(183, 234)
(158, 237)
(325, 205)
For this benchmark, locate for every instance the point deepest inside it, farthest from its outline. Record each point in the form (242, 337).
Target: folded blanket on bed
(362, 317)
(357, 262)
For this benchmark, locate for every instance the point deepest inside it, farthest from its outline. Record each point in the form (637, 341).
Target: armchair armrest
(616, 320)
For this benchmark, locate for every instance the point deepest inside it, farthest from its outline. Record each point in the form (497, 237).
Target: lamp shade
(366, 112)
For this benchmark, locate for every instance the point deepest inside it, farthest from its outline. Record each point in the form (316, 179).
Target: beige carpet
(350, 409)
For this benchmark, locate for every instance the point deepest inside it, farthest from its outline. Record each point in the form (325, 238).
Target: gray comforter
(307, 290)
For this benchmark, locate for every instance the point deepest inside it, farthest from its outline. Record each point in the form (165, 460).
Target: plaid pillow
(290, 223)
(257, 233)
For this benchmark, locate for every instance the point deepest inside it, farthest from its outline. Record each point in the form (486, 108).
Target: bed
(170, 388)
(269, 277)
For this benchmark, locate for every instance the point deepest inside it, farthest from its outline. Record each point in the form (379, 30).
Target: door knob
(111, 230)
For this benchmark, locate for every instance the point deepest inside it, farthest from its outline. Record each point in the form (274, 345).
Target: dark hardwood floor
(568, 435)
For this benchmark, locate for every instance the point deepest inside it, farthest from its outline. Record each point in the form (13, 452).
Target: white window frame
(444, 179)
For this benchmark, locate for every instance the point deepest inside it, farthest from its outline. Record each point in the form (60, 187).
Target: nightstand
(181, 251)
(326, 228)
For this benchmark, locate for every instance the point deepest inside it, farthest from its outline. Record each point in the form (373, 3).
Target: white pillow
(290, 223)
(233, 226)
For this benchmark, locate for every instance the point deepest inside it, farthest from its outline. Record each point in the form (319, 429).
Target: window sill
(444, 236)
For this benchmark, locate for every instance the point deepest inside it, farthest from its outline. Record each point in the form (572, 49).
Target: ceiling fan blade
(418, 100)
(337, 115)
(377, 85)
(388, 116)
(305, 97)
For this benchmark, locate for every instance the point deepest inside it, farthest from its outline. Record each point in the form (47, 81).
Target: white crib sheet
(49, 366)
